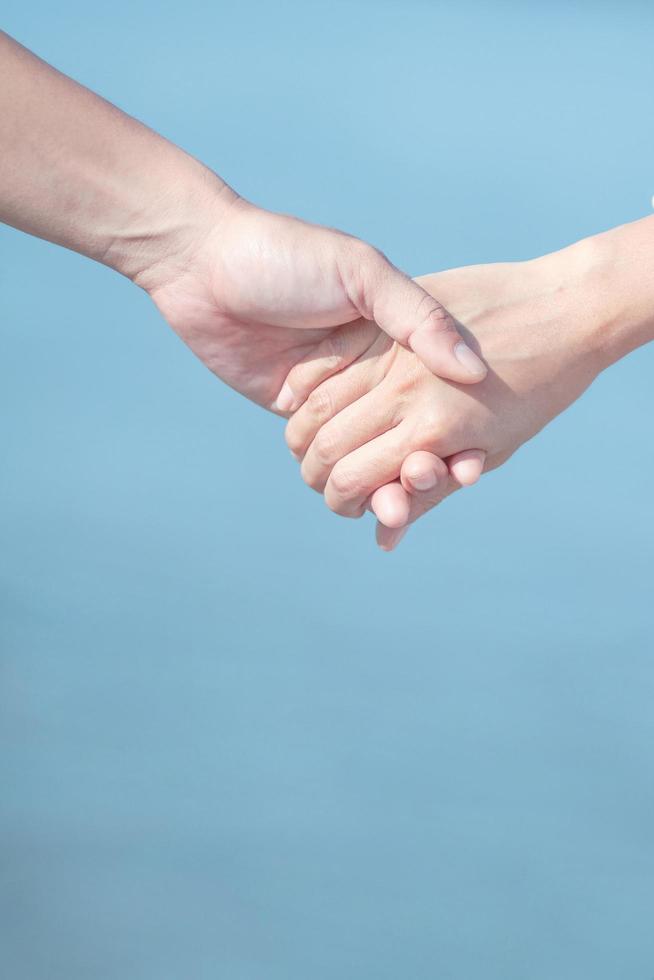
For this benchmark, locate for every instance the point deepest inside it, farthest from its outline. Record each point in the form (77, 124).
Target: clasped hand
(375, 429)
(398, 392)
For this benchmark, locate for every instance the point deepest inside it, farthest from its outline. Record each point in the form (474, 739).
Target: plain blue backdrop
(237, 741)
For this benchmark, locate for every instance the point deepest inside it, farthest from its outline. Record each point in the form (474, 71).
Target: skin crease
(546, 328)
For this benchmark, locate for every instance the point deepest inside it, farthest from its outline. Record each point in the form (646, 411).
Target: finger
(420, 503)
(337, 351)
(369, 417)
(409, 314)
(334, 395)
(355, 477)
(423, 472)
(391, 505)
(467, 467)
(428, 480)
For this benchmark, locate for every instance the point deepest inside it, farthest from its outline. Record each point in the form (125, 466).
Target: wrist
(606, 283)
(158, 240)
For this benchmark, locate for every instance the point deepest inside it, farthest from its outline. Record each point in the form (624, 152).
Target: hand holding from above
(251, 292)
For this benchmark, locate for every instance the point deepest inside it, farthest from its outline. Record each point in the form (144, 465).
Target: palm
(255, 299)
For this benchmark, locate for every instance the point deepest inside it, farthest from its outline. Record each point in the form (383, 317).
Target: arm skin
(373, 434)
(249, 291)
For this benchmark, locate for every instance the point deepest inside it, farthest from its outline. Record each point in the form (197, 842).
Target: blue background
(237, 741)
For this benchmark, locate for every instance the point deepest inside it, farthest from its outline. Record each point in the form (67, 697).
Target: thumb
(409, 314)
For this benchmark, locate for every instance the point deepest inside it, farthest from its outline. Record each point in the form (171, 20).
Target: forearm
(606, 284)
(77, 171)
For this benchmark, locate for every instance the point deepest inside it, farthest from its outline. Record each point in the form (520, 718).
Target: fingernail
(285, 399)
(425, 481)
(469, 360)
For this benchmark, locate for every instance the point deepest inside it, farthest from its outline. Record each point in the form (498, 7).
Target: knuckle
(367, 263)
(345, 487)
(436, 317)
(320, 404)
(325, 447)
(432, 424)
(363, 250)
(363, 269)
(378, 261)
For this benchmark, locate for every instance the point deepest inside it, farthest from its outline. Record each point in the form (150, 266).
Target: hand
(251, 293)
(535, 327)
(425, 481)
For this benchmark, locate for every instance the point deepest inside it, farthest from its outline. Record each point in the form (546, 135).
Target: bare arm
(76, 170)
(242, 286)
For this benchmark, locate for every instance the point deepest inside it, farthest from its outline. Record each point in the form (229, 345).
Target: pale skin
(387, 435)
(249, 291)
(277, 307)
